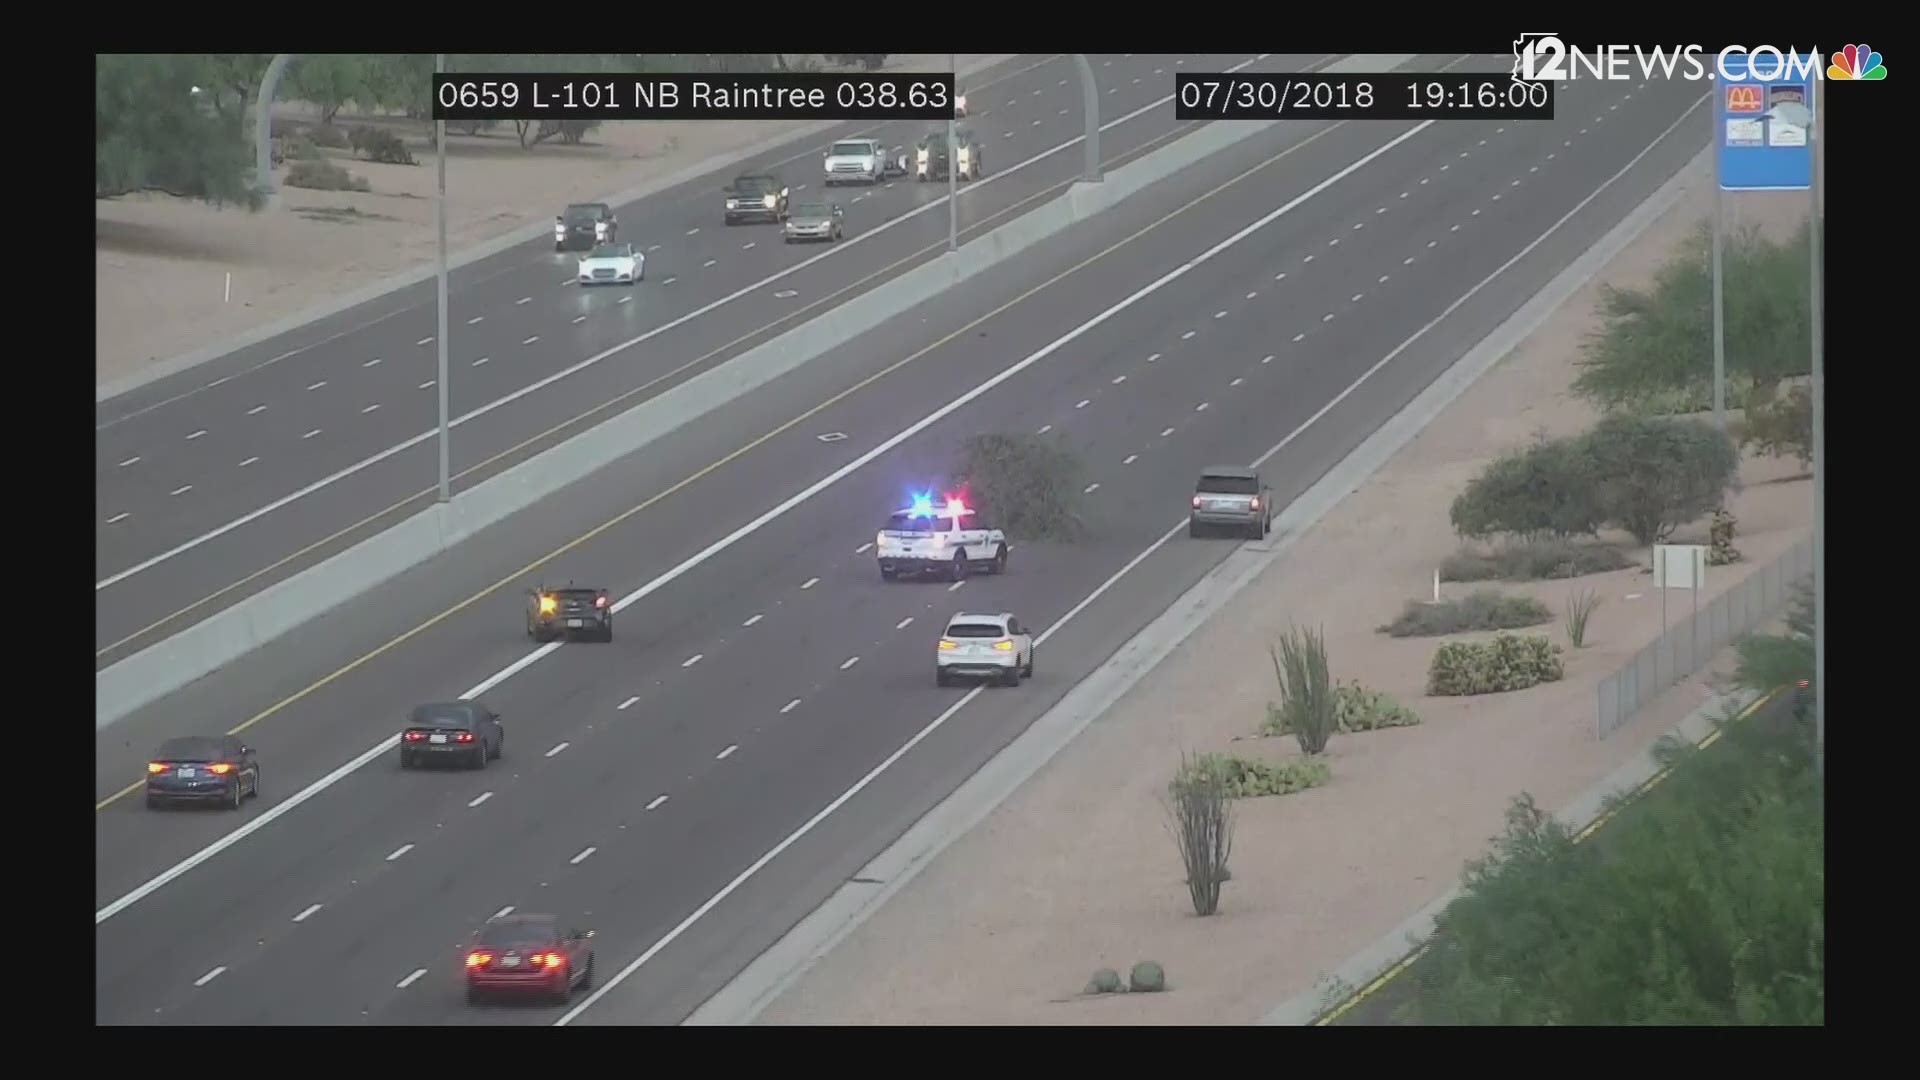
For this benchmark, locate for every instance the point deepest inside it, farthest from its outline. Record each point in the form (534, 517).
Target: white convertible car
(613, 264)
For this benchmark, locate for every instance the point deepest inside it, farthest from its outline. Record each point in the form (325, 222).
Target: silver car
(814, 221)
(1232, 496)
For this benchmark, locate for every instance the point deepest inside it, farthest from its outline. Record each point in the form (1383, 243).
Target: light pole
(1090, 104)
(953, 165)
(440, 211)
(1719, 304)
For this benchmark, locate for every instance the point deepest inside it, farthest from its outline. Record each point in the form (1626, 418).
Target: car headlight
(961, 102)
(880, 539)
(733, 204)
(922, 157)
(963, 158)
(599, 228)
(769, 201)
(559, 230)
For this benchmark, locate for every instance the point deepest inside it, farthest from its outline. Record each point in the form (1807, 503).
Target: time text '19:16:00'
(1397, 95)
(779, 96)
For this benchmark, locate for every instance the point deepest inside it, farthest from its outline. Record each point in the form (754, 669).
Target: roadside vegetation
(1484, 609)
(1030, 487)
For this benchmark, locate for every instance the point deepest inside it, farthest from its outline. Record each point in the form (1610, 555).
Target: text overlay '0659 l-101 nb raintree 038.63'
(1394, 95)
(600, 96)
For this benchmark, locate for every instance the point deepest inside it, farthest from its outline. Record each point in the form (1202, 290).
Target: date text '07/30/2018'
(781, 96)
(1398, 95)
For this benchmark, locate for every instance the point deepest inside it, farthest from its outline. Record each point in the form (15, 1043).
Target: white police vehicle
(947, 539)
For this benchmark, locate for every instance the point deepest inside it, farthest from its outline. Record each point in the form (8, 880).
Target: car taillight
(599, 601)
(464, 736)
(1804, 684)
(549, 959)
(479, 959)
(220, 768)
(1003, 646)
(1196, 502)
(947, 646)
(414, 736)
(548, 605)
(161, 766)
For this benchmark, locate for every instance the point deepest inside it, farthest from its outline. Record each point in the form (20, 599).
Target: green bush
(1703, 903)
(1104, 981)
(1356, 708)
(324, 176)
(1485, 609)
(1542, 490)
(1720, 549)
(1200, 812)
(1508, 662)
(379, 144)
(1306, 688)
(1580, 608)
(1766, 662)
(1246, 778)
(326, 135)
(1660, 340)
(1652, 474)
(1782, 426)
(1533, 560)
(1029, 487)
(1147, 977)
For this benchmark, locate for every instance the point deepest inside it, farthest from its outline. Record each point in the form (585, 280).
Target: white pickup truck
(862, 161)
(948, 539)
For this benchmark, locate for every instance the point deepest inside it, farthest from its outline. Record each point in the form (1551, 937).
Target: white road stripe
(1266, 359)
(317, 385)
(209, 976)
(136, 458)
(753, 620)
(1166, 433)
(1093, 487)
(307, 914)
(370, 408)
(480, 361)
(956, 585)
(1188, 334)
(811, 582)
(1298, 338)
(1237, 381)
(627, 704)
(862, 549)
(531, 340)
(118, 518)
(903, 623)
(850, 661)
(424, 341)
(417, 975)
(181, 490)
(311, 434)
(655, 804)
(1118, 379)
(1152, 358)
(248, 462)
(428, 385)
(522, 300)
(475, 320)
(582, 857)
(1130, 459)
(399, 851)
(375, 362)
(692, 660)
(789, 706)
(480, 798)
(503, 912)
(727, 753)
(557, 747)
(1044, 428)
(579, 319)
(197, 434)
(1084, 402)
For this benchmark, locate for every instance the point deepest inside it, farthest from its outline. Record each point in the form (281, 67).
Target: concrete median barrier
(160, 669)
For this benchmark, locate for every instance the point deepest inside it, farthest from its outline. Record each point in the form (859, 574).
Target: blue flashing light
(922, 505)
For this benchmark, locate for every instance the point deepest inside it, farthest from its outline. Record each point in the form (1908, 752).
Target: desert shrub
(572, 132)
(1720, 532)
(1580, 607)
(1650, 474)
(1766, 662)
(1782, 426)
(1247, 778)
(1703, 903)
(1533, 560)
(1356, 708)
(1508, 662)
(1307, 706)
(1023, 484)
(326, 135)
(1147, 977)
(1542, 490)
(379, 144)
(1200, 813)
(324, 176)
(1485, 609)
(1104, 981)
(1659, 340)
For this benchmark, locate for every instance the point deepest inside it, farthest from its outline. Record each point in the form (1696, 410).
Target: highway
(683, 790)
(217, 482)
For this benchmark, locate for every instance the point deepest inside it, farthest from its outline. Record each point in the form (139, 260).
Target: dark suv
(467, 732)
(756, 197)
(559, 613)
(583, 226)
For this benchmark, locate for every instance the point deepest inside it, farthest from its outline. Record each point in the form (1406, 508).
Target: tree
(330, 81)
(1542, 490)
(1028, 486)
(1652, 474)
(233, 80)
(153, 133)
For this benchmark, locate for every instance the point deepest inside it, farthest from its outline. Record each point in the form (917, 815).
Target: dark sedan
(217, 769)
(528, 954)
(555, 613)
(463, 732)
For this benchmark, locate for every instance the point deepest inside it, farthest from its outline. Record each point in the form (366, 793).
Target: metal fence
(1688, 644)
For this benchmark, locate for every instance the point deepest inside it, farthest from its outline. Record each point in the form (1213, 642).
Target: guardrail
(1686, 646)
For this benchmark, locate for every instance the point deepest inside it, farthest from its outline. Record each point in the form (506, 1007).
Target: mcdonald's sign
(1744, 99)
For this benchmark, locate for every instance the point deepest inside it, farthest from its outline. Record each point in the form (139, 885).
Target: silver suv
(1232, 496)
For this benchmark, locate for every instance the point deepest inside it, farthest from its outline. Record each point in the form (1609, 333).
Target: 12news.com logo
(1544, 56)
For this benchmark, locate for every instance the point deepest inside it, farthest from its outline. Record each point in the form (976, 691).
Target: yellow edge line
(574, 421)
(707, 470)
(1648, 785)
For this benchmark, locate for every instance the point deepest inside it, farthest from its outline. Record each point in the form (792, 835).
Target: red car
(529, 954)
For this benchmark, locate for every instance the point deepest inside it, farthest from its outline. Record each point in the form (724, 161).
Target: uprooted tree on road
(1026, 485)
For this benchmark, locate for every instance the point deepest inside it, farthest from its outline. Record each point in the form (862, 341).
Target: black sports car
(564, 612)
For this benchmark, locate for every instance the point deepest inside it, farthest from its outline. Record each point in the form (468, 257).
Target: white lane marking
(1425, 179)
(1358, 225)
(1063, 112)
(1298, 338)
(217, 382)
(1435, 243)
(522, 300)
(727, 753)
(572, 369)
(1118, 379)
(627, 704)
(1166, 433)
(1131, 458)
(1383, 279)
(1408, 261)
(708, 263)
(1152, 358)
(317, 385)
(118, 518)
(1403, 194)
(1251, 295)
(478, 799)
(1308, 259)
(557, 747)
(655, 804)
(1219, 314)
(1356, 298)
(624, 300)
(1084, 402)
(134, 460)
(1328, 317)
(1036, 123)
(1188, 334)
(1267, 359)
(692, 660)
(1202, 407)
(181, 490)
(428, 385)
(503, 912)
(307, 914)
(1516, 183)
(955, 587)
(920, 736)
(789, 706)
(579, 319)
(1281, 276)
(399, 851)
(862, 549)
(1044, 428)
(248, 462)
(584, 855)
(370, 408)
(311, 434)
(653, 247)
(418, 974)
(1476, 213)
(753, 620)
(851, 660)
(209, 976)
(1236, 382)
(748, 246)
(475, 320)
(197, 434)
(531, 340)
(482, 360)
(375, 362)
(693, 230)
(903, 623)
(786, 294)
(1335, 242)
(811, 582)
(424, 341)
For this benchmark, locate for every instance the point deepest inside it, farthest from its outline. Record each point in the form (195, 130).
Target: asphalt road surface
(220, 481)
(682, 790)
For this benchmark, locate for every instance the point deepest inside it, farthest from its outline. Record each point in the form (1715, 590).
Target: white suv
(949, 540)
(863, 161)
(991, 646)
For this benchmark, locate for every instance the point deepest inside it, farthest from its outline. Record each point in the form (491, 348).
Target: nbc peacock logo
(1856, 63)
